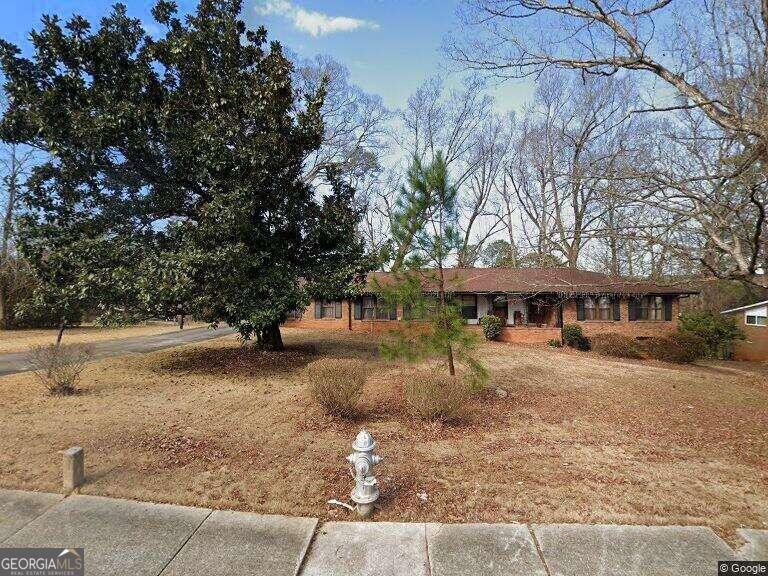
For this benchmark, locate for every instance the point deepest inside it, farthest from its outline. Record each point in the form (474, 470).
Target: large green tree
(184, 151)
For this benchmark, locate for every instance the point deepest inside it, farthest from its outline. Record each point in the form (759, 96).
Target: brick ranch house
(753, 322)
(534, 302)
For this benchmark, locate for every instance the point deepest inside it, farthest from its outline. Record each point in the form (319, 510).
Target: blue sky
(390, 46)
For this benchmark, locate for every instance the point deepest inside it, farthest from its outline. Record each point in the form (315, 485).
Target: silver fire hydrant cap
(364, 442)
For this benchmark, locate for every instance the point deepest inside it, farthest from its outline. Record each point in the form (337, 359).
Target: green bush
(680, 347)
(718, 332)
(574, 337)
(492, 326)
(616, 345)
(554, 343)
(337, 384)
(434, 396)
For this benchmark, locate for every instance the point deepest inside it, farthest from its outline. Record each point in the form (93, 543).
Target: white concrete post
(74, 467)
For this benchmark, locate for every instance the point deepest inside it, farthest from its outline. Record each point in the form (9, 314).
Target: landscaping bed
(558, 436)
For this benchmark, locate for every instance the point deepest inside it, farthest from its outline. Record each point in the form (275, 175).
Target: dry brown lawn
(576, 438)
(21, 340)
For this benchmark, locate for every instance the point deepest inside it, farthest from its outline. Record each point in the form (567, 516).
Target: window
(371, 311)
(589, 309)
(650, 308)
(604, 308)
(327, 309)
(468, 303)
(598, 308)
(756, 320)
(369, 307)
(656, 308)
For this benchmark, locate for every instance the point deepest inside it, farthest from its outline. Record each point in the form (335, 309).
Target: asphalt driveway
(17, 361)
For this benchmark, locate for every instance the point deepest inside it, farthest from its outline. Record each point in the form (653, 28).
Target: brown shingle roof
(534, 280)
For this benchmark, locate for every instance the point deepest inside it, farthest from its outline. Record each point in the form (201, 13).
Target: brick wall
(529, 335)
(308, 320)
(634, 329)
(521, 334)
(755, 345)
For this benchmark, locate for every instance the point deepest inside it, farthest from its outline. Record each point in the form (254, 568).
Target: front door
(500, 308)
(539, 313)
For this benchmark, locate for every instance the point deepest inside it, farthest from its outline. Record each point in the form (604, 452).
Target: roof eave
(743, 308)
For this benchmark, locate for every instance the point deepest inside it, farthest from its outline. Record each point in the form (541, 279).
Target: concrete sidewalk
(137, 538)
(17, 361)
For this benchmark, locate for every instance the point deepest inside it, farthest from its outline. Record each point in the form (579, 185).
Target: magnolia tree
(175, 177)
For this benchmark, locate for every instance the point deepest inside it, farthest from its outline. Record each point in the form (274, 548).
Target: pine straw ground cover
(576, 438)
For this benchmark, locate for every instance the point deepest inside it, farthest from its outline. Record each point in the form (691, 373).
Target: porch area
(518, 312)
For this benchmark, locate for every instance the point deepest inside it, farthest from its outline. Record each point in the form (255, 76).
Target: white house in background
(753, 322)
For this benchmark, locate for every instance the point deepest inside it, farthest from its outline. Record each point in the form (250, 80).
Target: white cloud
(314, 23)
(152, 29)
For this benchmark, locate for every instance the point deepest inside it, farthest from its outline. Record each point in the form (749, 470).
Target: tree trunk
(6, 238)
(349, 314)
(62, 327)
(3, 314)
(451, 365)
(271, 339)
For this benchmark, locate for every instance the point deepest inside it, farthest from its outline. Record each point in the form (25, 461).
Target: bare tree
(14, 163)
(527, 175)
(479, 219)
(713, 216)
(712, 55)
(448, 121)
(354, 122)
(573, 137)
(459, 124)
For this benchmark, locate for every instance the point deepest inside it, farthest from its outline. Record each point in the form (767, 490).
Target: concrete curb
(123, 536)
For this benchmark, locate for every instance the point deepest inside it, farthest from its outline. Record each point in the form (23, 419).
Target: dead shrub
(680, 348)
(432, 396)
(59, 368)
(616, 345)
(337, 384)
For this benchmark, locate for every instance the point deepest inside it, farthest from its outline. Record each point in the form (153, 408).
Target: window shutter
(580, 309)
(393, 313)
(617, 309)
(632, 309)
(406, 311)
(667, 308)
(318, 309)
(337, 309)
(358, 309)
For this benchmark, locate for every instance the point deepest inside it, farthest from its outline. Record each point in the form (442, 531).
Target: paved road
(17, 362)
(142, 539)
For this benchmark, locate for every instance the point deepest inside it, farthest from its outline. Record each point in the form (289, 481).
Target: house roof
(743, 308)
(564, 281)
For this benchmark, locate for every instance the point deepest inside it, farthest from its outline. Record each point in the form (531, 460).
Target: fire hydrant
(362, 460)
